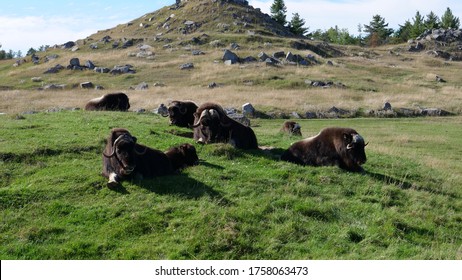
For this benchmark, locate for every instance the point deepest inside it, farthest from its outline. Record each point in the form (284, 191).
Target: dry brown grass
(405, 80)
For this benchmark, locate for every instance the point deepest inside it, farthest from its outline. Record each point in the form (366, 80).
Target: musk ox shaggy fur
(124, 158)
(212, 125)
(292, 128)
(343, 147)
(182, 156)
(109, 102)
(181, 113)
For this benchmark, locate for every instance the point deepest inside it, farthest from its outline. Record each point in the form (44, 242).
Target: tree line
(376, 32)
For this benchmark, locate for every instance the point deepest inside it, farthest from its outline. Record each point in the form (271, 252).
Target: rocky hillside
(196, 17)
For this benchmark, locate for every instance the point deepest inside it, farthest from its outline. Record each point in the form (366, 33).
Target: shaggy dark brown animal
(292, 128)
(109, 102)
(123, 158)
(182, 156)
(212, 125)
(343, 147)
(181, 113)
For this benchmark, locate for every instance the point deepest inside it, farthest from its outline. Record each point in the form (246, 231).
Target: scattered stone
(387, 106)
(54, 87)
(87, 85)
(142, 86)
(101, 70)
(230, 56)
(440, 80)
(161, 110)
(54, 70)
(187, 66)
(248, 110)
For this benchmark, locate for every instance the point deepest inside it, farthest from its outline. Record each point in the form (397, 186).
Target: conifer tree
(296, 25)
(432, 21)
(279, 11)
(448, 20)
(378, 31)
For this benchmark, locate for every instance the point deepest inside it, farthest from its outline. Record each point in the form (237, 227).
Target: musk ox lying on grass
(212, 125)
(124, 158)
(109, 102)
(181, 113)
(292, 128)
(343, 147)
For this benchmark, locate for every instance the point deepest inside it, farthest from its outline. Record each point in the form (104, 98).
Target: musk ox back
(181, 113)
(124, 158)
(343, 147)
(212, 125)
(292, 128)
(109, 102)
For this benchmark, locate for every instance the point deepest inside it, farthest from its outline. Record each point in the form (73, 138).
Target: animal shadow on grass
(180, 185)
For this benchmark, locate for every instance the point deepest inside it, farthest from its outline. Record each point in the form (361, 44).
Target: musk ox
(343, 147)
(182, 156)
(212, 125)
(109, 102)
(181, 113)
(292, 128)
(124, 158)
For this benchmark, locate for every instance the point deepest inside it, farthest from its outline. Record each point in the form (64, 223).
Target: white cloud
(22, 33)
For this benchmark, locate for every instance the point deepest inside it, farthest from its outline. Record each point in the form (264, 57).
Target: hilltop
(178, 52)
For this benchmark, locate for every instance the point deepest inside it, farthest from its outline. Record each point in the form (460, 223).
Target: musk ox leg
(114, 181)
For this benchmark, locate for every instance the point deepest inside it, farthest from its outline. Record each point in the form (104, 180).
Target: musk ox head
(292, 128)
(207, 125)
(121, 149)
(182, 156)
(181, 113)
(354, 145)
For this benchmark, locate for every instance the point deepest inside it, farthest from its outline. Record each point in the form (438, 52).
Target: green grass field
(236, 204)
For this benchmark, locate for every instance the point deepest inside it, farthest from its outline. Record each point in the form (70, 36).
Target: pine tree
(279, 11)
(378, 31)
(418, 26)
(296, 25)
(432, 21)
(448, 20)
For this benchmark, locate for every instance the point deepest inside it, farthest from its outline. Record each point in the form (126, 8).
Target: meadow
(235, 204)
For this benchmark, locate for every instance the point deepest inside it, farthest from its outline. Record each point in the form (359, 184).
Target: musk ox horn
(356, 139)
(196, 124)
(114, 146)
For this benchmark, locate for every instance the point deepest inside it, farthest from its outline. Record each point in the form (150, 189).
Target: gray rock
(161, 110)
(187, 66)
(86, 85)
(101, 70)
(248, 110)
(90, 65)
(74, 62)
(387, 106)
(142, 86)
(229, 55)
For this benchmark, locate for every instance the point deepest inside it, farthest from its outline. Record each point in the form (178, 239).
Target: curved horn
(196, 124)
(113, 146)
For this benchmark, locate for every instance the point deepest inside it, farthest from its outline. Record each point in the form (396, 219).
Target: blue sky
(26, 23)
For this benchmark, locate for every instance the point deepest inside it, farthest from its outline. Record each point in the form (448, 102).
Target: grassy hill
(234, 205)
